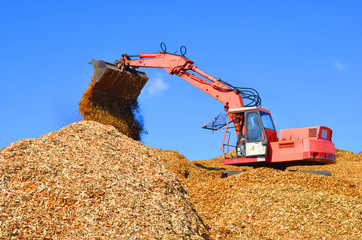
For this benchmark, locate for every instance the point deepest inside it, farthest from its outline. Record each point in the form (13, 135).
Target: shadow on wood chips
(113, 111)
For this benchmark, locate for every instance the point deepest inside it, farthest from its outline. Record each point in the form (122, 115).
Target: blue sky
(304, 58)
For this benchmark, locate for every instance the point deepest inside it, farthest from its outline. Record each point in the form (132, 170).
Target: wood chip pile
(88, 181)
(267, 203)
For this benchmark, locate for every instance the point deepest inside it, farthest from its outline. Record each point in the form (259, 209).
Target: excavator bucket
(114, 82)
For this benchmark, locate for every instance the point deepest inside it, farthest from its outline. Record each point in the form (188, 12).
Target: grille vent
(312, 132)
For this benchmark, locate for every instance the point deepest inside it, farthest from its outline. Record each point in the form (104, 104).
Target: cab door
(255, 138)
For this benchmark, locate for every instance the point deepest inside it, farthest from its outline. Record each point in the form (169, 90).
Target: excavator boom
(181, 66)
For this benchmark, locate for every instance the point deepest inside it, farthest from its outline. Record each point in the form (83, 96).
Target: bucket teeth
(114, 82)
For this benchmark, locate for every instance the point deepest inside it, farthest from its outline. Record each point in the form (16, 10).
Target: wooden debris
(264, 202)
(109, 110)
(88, 181)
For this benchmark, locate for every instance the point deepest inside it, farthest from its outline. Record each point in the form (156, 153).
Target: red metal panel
(286, 151)
(229, 161)
(303, 149)
(318, 145)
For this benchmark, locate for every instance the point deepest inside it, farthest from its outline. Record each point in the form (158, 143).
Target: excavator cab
(252, 139)
(255, 130)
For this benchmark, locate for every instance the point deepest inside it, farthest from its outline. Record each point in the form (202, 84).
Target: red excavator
(256, 136)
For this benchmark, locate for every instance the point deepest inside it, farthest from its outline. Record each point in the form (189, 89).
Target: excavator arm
(180, 66)
(121, 79)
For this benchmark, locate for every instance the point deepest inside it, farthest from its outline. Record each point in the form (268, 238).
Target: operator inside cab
(253, 128)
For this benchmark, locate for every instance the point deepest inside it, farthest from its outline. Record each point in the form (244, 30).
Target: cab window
(254, 131)
(267, 120)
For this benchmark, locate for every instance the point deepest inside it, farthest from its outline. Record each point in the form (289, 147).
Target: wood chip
(89, 181)
(95, 106)
(265, 202)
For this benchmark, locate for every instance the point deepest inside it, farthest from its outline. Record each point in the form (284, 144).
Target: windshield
(254, 131)
(267, 120)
